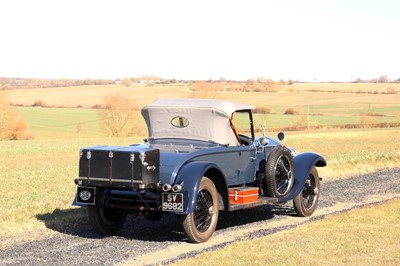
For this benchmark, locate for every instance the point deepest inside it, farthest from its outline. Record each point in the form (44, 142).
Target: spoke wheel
(306, 201)
(279, 177)
(201, 223)
(106, 221)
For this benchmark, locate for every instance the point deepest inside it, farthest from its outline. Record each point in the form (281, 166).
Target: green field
(322, 104)
(51, 123)
(56, 123)
(37, 175)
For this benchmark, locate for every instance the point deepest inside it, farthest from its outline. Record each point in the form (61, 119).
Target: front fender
(303, 164)
(190, 175)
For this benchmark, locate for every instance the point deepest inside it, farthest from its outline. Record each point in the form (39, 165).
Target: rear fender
(190, 175)
(303, 164)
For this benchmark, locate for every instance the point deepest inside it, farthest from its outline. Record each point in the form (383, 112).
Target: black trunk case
(132, 167)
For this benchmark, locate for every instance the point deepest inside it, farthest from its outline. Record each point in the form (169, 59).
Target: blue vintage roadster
(201, 157)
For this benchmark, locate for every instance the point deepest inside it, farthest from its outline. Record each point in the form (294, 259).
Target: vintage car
(201, 157)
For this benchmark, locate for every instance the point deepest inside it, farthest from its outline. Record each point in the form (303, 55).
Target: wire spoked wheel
(279, 175)
(204, 211)
(306, 201)
(201, 223)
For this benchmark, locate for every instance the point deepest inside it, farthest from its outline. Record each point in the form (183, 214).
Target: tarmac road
(142, 242)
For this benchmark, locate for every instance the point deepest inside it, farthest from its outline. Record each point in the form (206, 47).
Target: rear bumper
(141, 200)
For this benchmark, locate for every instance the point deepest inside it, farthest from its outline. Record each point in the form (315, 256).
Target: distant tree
(12, 125)
(291, 111)
(24, 83)
(358, 80)
(383, 79)
(118, 116)
(127, 82)
(207, 90)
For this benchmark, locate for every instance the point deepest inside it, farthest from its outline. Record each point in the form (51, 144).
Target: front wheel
(306, 201)
(106, 221)
(279, 172)
(201, 223)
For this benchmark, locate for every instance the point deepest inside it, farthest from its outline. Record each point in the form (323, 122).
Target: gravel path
(143, 242)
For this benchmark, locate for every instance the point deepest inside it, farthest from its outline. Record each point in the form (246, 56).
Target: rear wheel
(306, 201)
(279, 177)
(201, 223)
(106, 221)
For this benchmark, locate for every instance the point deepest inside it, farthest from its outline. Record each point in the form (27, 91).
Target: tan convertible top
(207, 120)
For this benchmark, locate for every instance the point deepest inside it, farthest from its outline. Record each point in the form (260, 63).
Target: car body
(201, 157)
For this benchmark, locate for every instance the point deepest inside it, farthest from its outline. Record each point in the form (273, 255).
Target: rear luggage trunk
(132, 167)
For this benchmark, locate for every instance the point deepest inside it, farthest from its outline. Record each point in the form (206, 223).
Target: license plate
(86, 195)
(172, 202)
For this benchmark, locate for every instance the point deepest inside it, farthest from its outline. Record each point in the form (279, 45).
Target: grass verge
(367, 236)
(37, 186)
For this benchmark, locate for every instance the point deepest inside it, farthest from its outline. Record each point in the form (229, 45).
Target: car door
(243, 157)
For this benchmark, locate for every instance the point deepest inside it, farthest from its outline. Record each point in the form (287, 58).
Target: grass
(350, 152)
(88, 96)
(37, 179)
(53, 123)
(323, 98)
(37, 175)
(319, 104)
(367, 236)
(68, 123)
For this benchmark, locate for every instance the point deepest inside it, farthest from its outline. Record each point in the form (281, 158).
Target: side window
(242, 122)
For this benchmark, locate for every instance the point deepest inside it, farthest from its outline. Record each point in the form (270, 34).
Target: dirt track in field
(152, 243)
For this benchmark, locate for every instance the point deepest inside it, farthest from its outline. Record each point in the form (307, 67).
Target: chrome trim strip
(106, 179)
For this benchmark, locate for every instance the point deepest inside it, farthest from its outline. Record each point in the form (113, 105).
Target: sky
(306, 40)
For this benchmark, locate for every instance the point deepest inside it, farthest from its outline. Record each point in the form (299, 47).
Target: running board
(259, 202)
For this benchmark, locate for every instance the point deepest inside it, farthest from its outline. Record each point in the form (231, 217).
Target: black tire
(201, 223)
(306, 201)
(106, 221)
(279, 172)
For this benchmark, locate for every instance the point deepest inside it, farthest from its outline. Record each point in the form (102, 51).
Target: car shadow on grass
(74, 222)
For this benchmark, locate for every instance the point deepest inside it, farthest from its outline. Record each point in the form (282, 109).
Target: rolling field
(37, 175)
(58, 123)
(321, 98)
(318, 105)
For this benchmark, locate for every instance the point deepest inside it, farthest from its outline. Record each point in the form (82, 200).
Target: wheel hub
(211, 211)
